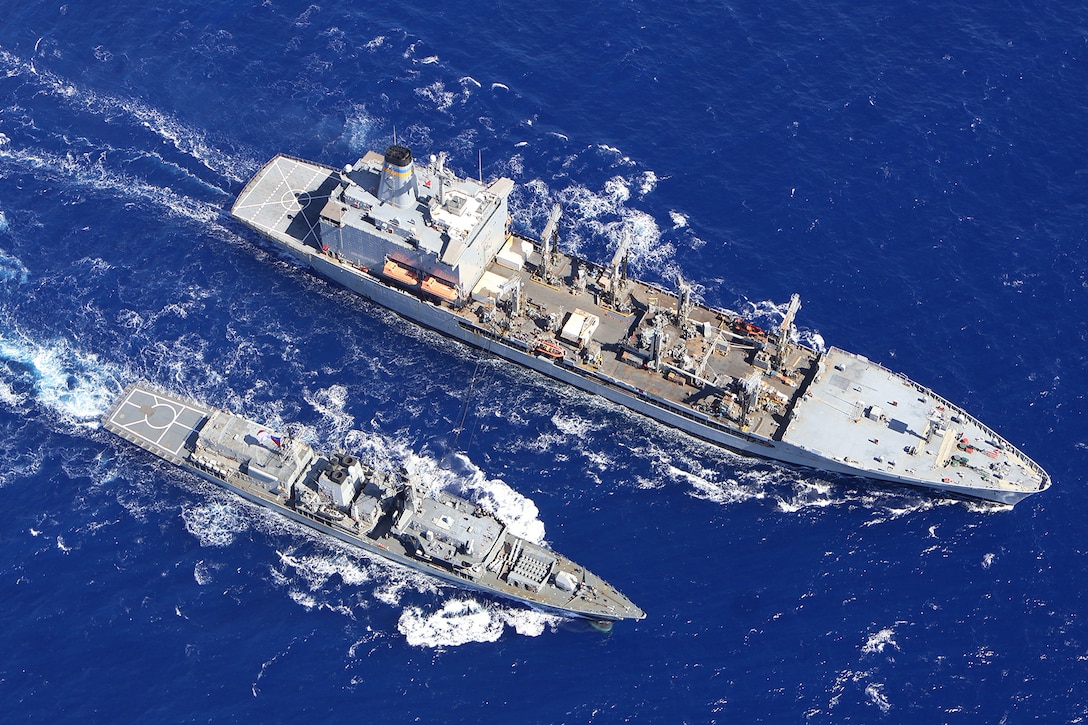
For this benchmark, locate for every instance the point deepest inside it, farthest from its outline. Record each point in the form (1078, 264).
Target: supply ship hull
(383, 514)
(436, 249)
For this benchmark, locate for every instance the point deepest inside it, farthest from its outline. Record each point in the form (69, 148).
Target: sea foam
(462, 621)
(75, 385)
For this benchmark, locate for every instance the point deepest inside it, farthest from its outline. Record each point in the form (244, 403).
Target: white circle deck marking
(292, 199)
(162, 416)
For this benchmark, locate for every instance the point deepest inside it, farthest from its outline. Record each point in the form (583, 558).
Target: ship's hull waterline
(523, 300)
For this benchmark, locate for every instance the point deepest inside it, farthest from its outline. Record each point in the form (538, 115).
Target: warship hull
(813, 418)
(227, 451)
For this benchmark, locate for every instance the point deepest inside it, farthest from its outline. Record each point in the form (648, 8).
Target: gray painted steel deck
(157, 422)
(288, 200)
(837, 420)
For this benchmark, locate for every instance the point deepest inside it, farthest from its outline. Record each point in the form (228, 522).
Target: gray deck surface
(154, 421)
(833, 421)
(286, 198)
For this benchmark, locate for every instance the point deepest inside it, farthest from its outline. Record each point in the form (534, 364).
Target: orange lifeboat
(747, 328)
(400, 273)
(440, 288)
(548, 349)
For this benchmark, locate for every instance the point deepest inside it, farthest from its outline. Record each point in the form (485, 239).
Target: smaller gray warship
(385, 515)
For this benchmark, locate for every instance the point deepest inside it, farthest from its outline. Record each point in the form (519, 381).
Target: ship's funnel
(398, 183)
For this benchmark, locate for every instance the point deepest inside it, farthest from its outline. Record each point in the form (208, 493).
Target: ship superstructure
(388, 515)
(437, 249)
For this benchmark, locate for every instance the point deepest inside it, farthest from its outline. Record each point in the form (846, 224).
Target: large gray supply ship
(387, 515)
(437, 249)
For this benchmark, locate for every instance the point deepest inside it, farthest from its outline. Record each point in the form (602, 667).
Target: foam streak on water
(184, 139)
(92, 172)
(461, 621)
(76, 386)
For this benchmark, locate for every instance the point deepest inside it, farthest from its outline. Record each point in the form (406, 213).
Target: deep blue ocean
(917, 172)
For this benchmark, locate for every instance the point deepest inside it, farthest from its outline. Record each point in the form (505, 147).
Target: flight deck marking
(162, 415)
(289, 200)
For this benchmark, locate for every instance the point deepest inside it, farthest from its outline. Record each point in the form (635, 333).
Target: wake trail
(76, 386)
(185, 139)
(83, 172)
